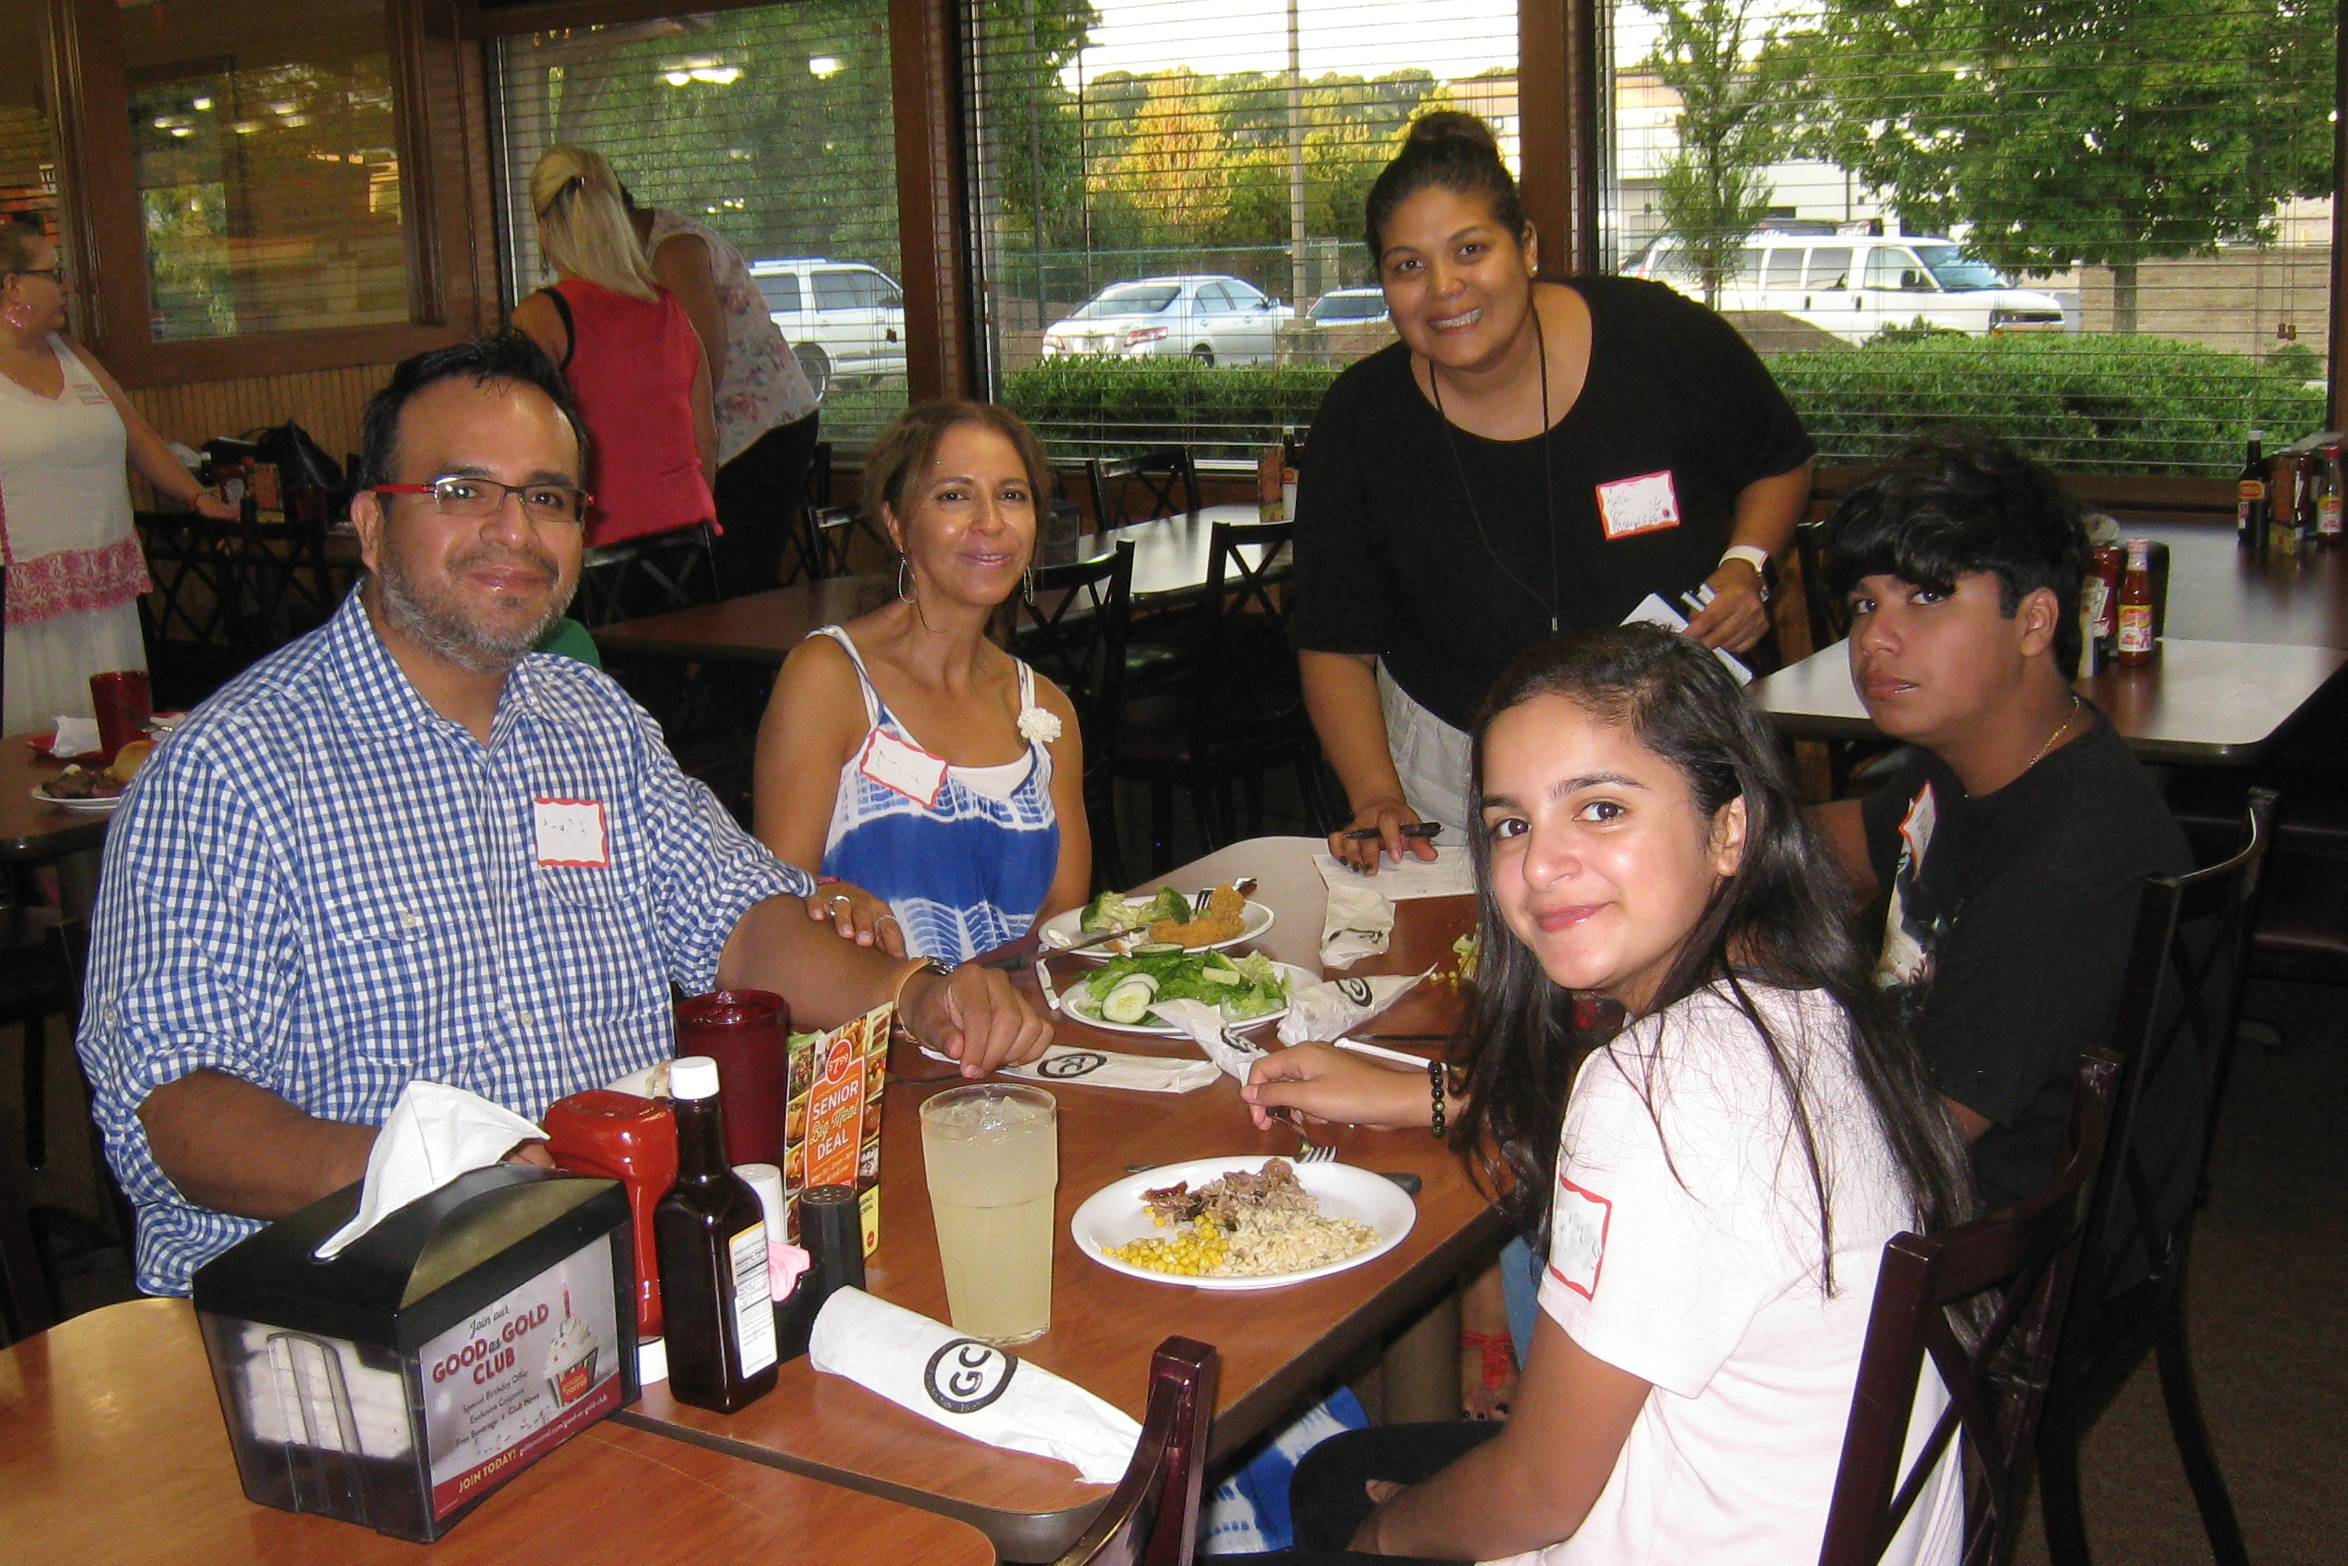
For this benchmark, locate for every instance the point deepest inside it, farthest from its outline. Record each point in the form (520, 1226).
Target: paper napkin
(1334, 1007)
(1359, 923)
(1448, 875)
(970, 1387)
(435, 1133)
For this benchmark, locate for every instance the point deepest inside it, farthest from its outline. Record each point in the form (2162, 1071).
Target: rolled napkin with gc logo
(972, 1388)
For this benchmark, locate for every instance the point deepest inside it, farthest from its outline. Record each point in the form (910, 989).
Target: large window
(28, 153)
(2104, 230)
(1167, 199)
(773, 126)
(266, 166)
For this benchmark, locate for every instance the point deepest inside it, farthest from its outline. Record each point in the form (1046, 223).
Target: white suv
(1855, 285)
(842, 318)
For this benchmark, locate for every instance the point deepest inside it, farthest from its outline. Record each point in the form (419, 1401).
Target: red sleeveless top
(631, 372)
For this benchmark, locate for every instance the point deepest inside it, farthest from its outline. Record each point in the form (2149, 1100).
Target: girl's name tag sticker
(1577, 1238)
(1644, 504)
(905, 769)
(571, 832)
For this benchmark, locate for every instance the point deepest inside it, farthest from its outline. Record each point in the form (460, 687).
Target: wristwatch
(1756, 557)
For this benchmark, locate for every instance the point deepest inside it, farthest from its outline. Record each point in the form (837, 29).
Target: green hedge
(2105, 404)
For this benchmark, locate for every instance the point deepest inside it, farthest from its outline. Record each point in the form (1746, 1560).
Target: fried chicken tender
(1198, 932)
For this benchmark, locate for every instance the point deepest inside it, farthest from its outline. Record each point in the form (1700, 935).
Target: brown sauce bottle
(711, 1234)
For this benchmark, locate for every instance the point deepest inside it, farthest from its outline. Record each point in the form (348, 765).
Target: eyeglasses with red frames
(475, 498)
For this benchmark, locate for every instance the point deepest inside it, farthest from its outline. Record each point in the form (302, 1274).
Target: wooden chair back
(1166, 480)
(2013, 1272)
(1243, 682)
(1070, 622)
(1151, 1519)
(2187, 966)
(1829, 618)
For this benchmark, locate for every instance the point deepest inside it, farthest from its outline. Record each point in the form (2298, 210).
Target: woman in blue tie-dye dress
(936, 777)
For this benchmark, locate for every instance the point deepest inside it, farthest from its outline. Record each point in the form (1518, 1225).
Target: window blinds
(773, 126)
(2104, 231)
(1218, 151)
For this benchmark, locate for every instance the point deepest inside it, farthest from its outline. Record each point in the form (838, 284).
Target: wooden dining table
(112, 1448)
(2248, 646)
(1170, 558)
(1278, 1346)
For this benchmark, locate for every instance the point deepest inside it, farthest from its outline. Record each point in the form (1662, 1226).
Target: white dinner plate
(1077, 1002)
(91, 807)
(1116, 1215)
(1063, 930)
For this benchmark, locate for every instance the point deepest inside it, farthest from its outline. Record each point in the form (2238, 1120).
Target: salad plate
(1256, 993)
(1068, 928)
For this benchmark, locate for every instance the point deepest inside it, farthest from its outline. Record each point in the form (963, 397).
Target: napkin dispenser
(459, 1340)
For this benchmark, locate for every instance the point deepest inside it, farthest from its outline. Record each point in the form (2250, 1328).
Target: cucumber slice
(1156, 949)
(1129, 1000)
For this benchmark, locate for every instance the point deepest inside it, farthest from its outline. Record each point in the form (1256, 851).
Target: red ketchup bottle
(634, 1141)
(747, 1032)
(711, 1236)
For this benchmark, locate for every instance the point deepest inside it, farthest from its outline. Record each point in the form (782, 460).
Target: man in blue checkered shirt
(406, 847)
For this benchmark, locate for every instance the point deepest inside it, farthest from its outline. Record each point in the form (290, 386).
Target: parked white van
(842, 318)
(1855, 285)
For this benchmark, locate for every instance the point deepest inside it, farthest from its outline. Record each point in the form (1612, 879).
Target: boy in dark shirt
(2008, 849)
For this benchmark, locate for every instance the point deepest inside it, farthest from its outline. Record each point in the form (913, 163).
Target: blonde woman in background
(628, 350)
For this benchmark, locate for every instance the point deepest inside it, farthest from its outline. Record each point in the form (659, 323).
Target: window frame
(437, 113)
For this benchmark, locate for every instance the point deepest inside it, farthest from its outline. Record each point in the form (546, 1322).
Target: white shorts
(1430, 756)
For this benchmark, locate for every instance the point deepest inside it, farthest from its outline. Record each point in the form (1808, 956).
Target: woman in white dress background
(75, 568)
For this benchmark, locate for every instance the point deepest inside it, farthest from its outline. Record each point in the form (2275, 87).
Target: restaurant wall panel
(327, 403)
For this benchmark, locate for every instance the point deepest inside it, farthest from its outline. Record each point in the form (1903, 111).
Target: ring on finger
(839, 899)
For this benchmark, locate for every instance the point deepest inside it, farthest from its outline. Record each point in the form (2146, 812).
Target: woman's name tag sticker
(1638, 505)
(571, 832)
(905, 769)
(1577, 1238)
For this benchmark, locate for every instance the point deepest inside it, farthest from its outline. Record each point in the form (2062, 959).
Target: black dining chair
(1070, 622)
(1234, 708)
(832, 534)
(2183, 992)
(1160, 483)
(1151, 1518)
(648, 575)
(1984, 1302)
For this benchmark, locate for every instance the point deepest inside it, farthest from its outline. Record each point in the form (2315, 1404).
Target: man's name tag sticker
(1577, 1238)
(901, 768)
(1638, 505)
(966, 1375)
(571, 832)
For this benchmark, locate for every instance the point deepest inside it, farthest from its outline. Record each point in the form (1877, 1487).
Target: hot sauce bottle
(711, 1233)
(2250, 508)
(2136, 639)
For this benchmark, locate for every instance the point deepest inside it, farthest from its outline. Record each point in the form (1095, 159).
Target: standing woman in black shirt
(1530, 458)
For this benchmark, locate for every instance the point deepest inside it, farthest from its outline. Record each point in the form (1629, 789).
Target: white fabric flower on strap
(1039, 724)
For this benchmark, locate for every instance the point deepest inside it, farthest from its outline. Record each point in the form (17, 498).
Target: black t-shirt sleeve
(1344, 568)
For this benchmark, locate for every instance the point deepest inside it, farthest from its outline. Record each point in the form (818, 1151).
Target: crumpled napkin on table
(1334, 1007)
(74, 737)
(1232, 1052)
(1359, 923)
(434, 1134)
(969, 1387)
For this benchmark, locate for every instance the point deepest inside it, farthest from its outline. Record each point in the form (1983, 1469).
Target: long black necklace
(1547, 605)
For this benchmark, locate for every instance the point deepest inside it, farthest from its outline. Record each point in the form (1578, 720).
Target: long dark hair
(1456, 152)
(1784, 915)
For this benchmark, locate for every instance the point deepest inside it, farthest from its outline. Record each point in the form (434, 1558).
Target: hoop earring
(1028, 587)
(19, 315)
(904, 589)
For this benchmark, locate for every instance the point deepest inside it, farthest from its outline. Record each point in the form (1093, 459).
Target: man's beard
(438, 622)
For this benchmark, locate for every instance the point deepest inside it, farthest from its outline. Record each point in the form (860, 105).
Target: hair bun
(1450, 125)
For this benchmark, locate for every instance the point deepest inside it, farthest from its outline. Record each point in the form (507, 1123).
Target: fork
(1312, 1152)
(1198, 900)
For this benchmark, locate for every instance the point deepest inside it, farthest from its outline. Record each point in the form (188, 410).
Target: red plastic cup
(123, 704)
(747, 1032)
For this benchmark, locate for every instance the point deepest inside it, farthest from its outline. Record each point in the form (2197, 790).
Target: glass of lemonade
(993, 1152)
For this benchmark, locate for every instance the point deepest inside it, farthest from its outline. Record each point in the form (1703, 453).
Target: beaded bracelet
(1436, 1084)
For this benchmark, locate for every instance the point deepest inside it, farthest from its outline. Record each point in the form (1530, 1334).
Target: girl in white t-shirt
(1717, 1183)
